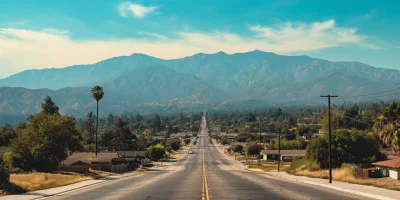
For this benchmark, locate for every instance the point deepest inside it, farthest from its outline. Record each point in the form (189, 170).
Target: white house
(390, 166)
(286, 155)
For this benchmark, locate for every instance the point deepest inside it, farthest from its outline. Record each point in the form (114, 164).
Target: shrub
(155, 152)
(187, 141)
(169, 149)
(175, 144)
(238, 148)
(254, 149)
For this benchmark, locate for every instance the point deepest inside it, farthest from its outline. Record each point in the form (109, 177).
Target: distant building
(286, 155)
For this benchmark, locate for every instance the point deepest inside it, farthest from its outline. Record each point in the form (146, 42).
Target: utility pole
(330, 134)
(279, 151)
(259, 125)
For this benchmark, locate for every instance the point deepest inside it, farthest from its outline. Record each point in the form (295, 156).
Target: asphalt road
(205, 175)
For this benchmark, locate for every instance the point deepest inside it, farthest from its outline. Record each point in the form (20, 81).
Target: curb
(337, 188)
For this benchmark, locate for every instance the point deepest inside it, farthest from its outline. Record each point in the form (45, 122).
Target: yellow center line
(205, 184)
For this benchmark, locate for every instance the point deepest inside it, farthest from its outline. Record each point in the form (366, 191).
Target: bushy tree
(387, 127)
(254, 149)
(224, 140)
(119, 137)
(301, 130)
(238, 148)
(49, 107)
(175, 144)
(187, 141)
(4, 173)
(155, 152)
(44, 142)
(7, 134)
(156, 122)
(90, 128)
(352, 146)
(289, 144)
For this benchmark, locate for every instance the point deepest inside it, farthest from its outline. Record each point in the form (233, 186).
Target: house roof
(89, 157)
(296, 152)
(394, 163)
(80, 163)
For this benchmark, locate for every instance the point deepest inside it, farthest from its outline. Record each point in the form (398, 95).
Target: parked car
(190, 152)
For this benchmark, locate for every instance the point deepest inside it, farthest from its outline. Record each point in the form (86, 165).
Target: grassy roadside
(21, 183)
(268, 167)
(300, 167)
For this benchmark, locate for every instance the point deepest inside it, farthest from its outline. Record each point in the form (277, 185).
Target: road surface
(204, 175)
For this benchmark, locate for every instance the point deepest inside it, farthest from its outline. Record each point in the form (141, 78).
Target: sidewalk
(363, 190)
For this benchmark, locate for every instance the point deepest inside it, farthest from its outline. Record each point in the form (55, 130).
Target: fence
(361, 173)
(119, 168)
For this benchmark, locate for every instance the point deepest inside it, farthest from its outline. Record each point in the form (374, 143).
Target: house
(285, 155)
(105, 161)
(76, 166)
(390, 168)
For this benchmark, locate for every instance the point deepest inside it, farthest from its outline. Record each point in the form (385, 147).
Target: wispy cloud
(135, 9)
(23, 48)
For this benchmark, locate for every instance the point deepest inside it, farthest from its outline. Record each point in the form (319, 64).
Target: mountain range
(143, 83)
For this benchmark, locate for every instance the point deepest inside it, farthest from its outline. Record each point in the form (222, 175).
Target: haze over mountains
(143, 83)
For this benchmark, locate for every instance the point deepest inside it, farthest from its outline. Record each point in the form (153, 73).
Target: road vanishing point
(205, 175)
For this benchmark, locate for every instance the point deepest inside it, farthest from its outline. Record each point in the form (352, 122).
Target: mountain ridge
(140, 81)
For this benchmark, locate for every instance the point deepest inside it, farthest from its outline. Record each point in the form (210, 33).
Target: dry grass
(269, 167)
(20, 183)
(41, 181)
(346, 174)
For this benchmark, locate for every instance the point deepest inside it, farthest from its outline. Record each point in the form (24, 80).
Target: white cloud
(137, 10)
(27, 49)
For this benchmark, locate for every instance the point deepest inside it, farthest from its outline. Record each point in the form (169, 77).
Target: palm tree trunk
(97, 125)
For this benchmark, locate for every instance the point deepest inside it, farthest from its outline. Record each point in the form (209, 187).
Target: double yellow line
(205, 189)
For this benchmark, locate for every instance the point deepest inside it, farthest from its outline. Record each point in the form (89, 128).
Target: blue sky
(38, 34)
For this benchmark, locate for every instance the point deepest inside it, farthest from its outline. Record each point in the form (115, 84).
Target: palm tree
(97, 94)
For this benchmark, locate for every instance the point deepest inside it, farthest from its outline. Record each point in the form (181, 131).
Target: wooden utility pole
(330, 135)
(279, 151)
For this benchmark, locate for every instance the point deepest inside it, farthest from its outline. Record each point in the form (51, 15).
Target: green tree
(348, 146)
(238, 148)
(97, 94)
(155, 152)
(7, 134)
(90, 128)
(123, 137)
(107, 140)
(175, 144)
(44, 142)
(141, 142)
(336, 120)
(387, 126)
(110, 120)
(301, 130)
(224, 140)
(49, 107)
(254, 149)
(187, 141)
(4, 174)
(156, 121)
